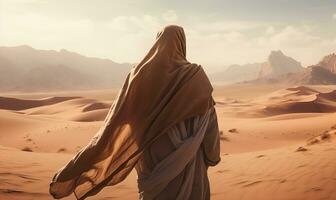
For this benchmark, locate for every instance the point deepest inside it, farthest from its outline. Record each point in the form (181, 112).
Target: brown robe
(181, 157)
(161, 84)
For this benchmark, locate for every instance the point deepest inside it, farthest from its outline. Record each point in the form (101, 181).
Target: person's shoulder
(195, 66)
(199, 68)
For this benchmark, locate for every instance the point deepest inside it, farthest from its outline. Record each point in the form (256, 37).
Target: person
(163, 123)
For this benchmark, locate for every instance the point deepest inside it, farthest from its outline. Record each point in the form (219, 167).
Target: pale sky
(219, 32)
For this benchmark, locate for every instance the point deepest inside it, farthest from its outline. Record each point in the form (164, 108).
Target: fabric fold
(175, 166)
(175, 162)
(164, 81)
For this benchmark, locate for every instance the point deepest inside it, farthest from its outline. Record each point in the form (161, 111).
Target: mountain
(328, 62)
(24, 68)
(323, 73)
(237, 73)
(279, 64)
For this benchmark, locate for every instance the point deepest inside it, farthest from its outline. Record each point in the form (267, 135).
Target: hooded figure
(163, 124)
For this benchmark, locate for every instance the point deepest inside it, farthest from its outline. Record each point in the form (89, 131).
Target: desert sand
(277, 141)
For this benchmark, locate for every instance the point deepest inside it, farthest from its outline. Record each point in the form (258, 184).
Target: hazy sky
(219, 32)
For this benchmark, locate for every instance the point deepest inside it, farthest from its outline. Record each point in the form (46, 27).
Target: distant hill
(320, 75)
(237, 73)
(276, 65)
(323, 73)
(328, 63)
(24, 68)
(279, 64)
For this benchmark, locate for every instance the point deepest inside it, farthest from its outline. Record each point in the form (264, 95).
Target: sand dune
(42, 134)
(278, 174)
(293, 100)
(279, 144)
(26, 176)
(95, 106)
(78, 109)
(302, 100)
(90, 116)
(9, 103)
(42, 126)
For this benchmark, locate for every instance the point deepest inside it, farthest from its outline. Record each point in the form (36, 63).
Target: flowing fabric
(162, 90)
(175, 165)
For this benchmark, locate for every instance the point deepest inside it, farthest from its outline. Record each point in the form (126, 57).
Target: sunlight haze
(218, 33)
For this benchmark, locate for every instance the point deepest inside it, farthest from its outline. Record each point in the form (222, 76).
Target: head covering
(162, 90)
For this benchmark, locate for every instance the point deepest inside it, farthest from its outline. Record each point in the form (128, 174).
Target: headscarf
(162, 90)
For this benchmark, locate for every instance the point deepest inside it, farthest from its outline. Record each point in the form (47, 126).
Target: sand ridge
(283, 155)
(291, 100)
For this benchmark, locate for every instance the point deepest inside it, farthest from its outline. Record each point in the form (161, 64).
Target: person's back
(175, 165)
(163, 123)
